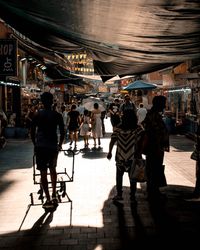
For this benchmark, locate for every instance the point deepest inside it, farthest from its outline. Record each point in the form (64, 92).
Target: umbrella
(140, 85)
(89, 103)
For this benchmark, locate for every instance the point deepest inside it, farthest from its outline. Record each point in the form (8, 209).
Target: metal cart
(64, 176)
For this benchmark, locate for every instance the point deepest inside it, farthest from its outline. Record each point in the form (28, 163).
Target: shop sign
(8, 57)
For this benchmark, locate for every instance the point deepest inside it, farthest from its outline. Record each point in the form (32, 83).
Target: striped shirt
(126, 141)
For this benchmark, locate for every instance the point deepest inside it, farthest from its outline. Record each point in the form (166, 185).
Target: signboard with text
(8, 57)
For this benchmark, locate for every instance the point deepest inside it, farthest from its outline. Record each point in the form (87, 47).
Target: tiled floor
(96, 223)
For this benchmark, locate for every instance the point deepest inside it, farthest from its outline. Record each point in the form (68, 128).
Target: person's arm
(111, 144)
(110, 109)
(80, 119)
(62, 131)
(109, 155)
(33, 129)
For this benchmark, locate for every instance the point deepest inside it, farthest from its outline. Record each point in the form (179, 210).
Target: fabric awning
(124, 37)
(58, 75)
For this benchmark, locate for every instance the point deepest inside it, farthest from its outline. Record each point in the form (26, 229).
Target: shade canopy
(140, 85)
(123, 37)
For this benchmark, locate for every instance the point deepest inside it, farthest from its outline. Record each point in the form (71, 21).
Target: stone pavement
(91, 221)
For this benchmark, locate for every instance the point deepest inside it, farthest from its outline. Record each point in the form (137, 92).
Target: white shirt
(141, 114)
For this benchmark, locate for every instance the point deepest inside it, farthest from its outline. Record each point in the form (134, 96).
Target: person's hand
(109, 155)
(59, 147)
(166, 149)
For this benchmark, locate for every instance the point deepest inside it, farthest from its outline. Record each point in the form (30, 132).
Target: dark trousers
(154, 168)
(119, 183)
(197, 184)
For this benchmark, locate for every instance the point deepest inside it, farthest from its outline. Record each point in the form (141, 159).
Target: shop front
(178, 108)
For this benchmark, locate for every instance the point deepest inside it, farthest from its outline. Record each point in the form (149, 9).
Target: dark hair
(96, 105)
(47, 99)
(73, 106)
(129, 120)
(141, 105)
(85, 112)
(159, 102)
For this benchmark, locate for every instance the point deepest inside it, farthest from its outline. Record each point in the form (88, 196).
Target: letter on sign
(8, 57)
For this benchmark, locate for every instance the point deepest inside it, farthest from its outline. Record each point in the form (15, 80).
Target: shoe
(48, 204)
(117, 198)
(54, 200)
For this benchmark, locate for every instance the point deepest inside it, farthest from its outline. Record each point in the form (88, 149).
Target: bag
(195, 154)
(138, 170)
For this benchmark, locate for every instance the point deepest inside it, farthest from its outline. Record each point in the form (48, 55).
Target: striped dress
(126, 141)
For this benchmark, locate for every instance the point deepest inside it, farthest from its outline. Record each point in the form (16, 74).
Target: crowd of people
(136, 133)
(131, 127)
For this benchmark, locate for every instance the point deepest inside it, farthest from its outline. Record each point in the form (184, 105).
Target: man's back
(47, 122)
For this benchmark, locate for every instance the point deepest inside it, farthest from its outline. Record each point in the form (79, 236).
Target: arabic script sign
(8, 57)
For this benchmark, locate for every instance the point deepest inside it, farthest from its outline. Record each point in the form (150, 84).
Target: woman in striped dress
(126, 135)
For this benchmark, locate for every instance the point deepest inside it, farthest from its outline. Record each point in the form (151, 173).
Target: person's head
(85, 112)
(47, 99)
(129, 120)
(127, 98)
(141, 105)
(96, 105)
(159, 103)
(73, 107)
(116, 100)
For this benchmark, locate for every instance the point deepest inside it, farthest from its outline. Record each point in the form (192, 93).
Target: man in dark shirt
(157, 143)
(115, 113)
(45, 139)
(127, 105)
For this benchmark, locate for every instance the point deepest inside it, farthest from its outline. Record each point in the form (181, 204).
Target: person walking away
(66, 122)
(74, 123)
(85, 127)
(45, 140)
(141, 113)
(127, 105)
(114, 110)
(3, 124)
(157, 142)
(126, 136)
(29, 116)
(103, 115)
(96, 124)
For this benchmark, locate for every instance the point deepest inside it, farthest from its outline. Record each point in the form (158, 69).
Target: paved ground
(91, 221)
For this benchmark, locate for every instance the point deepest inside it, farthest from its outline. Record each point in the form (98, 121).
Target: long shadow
(16, 155)
(186, 145)
(93, 153)
(163, 224)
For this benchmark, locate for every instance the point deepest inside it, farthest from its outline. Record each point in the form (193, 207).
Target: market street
(96, 223)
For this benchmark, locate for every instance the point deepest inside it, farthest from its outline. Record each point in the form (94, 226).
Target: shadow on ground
(173, 221)
(187, 145)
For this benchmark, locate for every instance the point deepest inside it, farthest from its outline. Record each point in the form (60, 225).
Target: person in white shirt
(141, 113)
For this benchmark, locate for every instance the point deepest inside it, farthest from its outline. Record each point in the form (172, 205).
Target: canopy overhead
(57, 75)
(124, 37)
(140, 85)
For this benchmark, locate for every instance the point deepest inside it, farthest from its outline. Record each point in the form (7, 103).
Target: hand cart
(64, 176)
